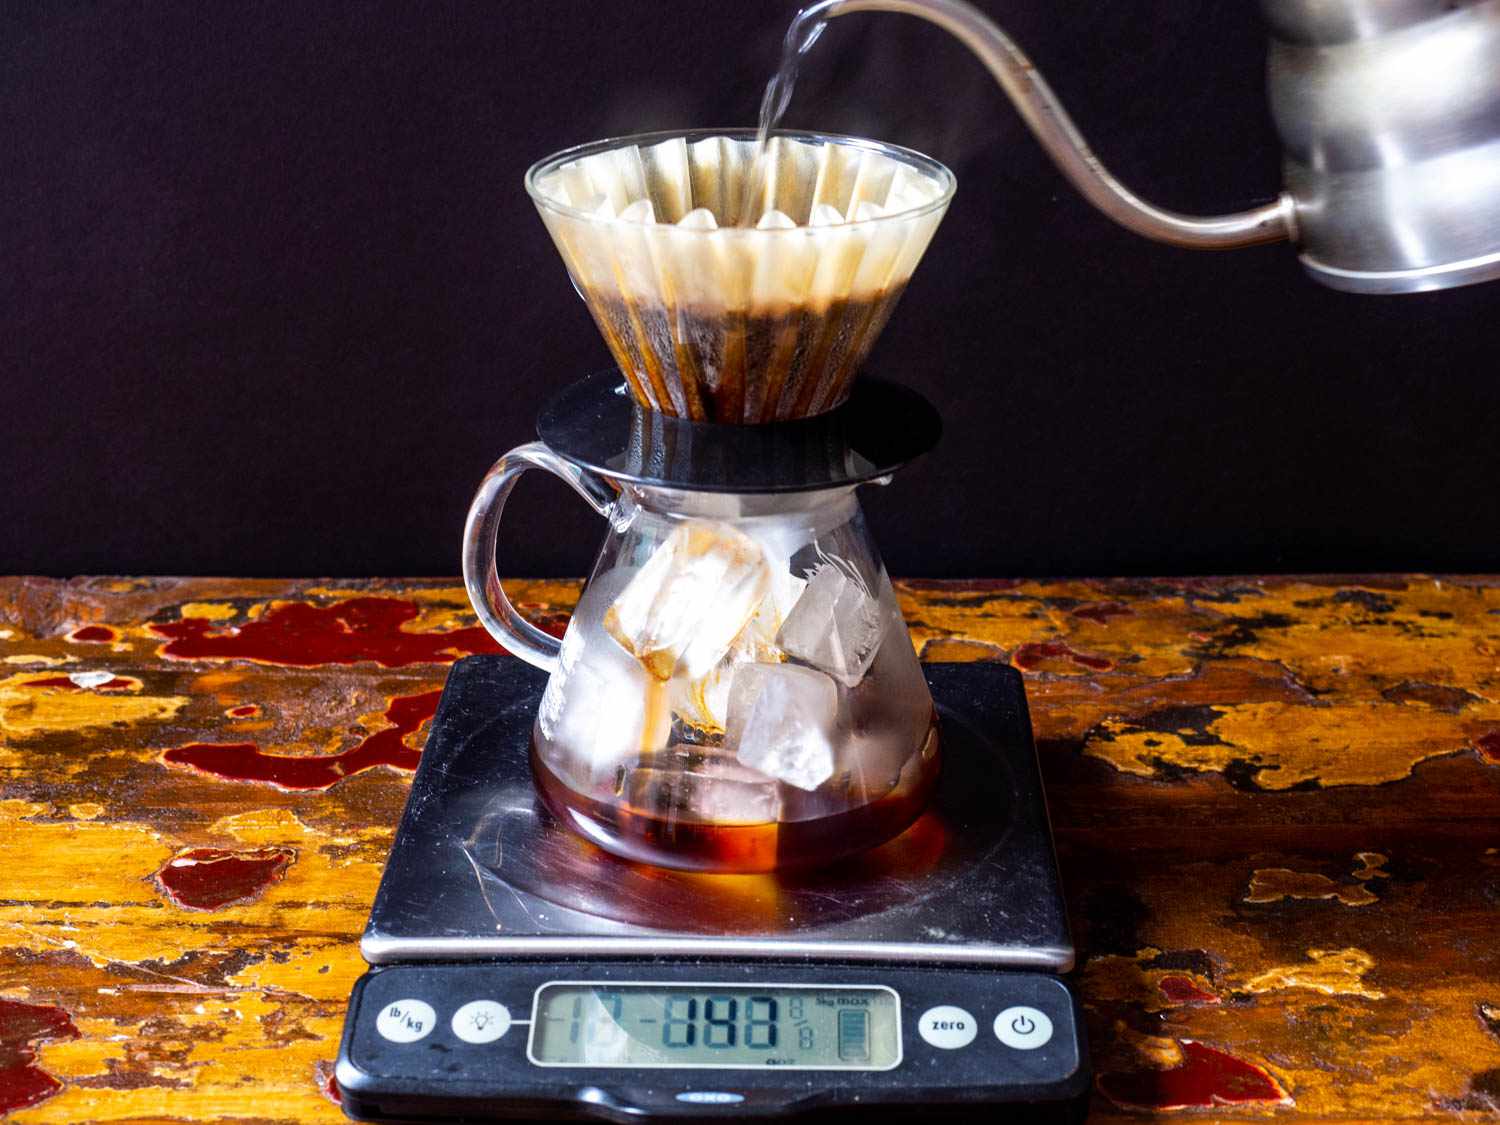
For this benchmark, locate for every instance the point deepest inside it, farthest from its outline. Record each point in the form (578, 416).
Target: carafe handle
(502, 620)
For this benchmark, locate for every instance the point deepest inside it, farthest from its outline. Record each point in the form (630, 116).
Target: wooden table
(1277, 803)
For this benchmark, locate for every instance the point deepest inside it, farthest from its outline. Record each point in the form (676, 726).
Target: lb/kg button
(405, 1021)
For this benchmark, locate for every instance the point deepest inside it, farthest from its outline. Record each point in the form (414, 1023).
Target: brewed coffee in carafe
(736, 689)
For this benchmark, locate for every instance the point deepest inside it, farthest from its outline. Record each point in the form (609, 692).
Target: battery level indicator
(854, 1035)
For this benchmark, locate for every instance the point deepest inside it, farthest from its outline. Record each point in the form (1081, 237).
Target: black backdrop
(272, 296)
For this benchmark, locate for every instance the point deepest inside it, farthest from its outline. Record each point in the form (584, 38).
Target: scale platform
(519, 971)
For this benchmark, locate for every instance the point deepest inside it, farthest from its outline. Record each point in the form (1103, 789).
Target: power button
(1022, 1028)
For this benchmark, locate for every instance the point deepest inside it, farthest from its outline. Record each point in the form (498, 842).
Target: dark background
(272, 297)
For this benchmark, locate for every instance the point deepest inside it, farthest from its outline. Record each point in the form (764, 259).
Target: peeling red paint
(63, 682)
(1031, 656)
(212, 878)
(1103, 611)
(1206, 1077)
(245, 761)
(93, 634)
(247, 711)
(22, 1082)
(1489, 746)
(1440, 697)
(305, 635)
(327, 1084)
(1179, 989)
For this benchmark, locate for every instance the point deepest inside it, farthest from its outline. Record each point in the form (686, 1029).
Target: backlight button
(481, 1021)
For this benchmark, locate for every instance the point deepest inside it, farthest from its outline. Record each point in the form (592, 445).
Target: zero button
(947, 1027)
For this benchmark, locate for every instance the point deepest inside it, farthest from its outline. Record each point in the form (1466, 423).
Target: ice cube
(685, 607)
(757, 643)
(781, 722)
(600, 708)
(785, 590)
(602, 719)
(836, 625)
(779, 541)
(704, 702)
(708, 785)
(890, 717)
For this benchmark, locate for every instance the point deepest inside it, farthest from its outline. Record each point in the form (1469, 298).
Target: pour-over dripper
(731, 288)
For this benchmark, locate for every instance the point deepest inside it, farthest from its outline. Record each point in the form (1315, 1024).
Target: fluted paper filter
(736, 289)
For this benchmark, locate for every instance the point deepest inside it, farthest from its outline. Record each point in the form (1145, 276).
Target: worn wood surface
(1277, 804)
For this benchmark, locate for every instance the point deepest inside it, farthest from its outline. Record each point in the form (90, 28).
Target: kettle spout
(1049, 122)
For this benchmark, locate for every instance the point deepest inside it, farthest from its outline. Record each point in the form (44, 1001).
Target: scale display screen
(725, 1026)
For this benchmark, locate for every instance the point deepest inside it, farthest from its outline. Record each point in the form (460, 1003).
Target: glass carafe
(736, 689)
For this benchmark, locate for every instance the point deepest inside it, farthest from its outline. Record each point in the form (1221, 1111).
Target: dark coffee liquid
(709, 365)
(658, 836)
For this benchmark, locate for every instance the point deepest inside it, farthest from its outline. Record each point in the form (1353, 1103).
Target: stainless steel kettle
(1389, 115)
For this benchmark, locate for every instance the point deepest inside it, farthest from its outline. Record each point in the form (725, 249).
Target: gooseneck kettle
(1389, 117)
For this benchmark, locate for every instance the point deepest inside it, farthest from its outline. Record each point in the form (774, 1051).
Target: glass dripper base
(660, 838)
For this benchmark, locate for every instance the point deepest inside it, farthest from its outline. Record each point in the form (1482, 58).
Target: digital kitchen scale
(518, 971)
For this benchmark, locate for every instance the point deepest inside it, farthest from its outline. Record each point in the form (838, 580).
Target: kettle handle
(1051, 125)
(481, 579)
